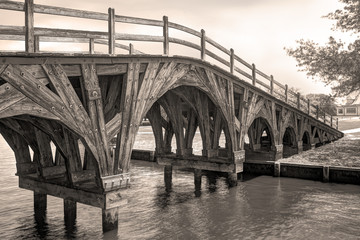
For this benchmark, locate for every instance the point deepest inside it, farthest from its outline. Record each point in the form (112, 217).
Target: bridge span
(77, 103)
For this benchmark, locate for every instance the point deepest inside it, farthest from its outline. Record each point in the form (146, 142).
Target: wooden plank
(11, 5)
(73, 160)
(184, 29)
(90, 198)
(184, 43)
(25, 106)
(45, 155)
(29, 26)
(37, 92)
(196, 164)
(45, 9)
(94, 102)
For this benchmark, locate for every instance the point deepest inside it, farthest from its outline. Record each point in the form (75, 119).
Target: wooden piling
(276, 169)
(168, 176)
(110, 219)
(69, 212)
(197, 179)
(232, 179)
(40, 205)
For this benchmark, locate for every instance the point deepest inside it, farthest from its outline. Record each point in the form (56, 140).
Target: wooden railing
(32, 36)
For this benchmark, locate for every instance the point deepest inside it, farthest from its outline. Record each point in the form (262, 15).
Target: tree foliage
(337, 64)
(325, 102)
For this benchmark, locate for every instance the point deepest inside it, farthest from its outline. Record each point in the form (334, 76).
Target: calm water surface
(258, 208)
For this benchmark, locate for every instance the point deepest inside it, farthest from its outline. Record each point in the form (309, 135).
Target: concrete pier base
(109, 219)
(232, 179)
(168, 177)
(69, 212)
(40, 205)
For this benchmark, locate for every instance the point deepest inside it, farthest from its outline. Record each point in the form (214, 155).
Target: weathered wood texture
(65, 101)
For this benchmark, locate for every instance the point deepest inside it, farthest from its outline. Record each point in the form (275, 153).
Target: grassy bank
(343, 152)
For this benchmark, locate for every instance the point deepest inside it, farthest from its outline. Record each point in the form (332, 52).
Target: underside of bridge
(59, 114)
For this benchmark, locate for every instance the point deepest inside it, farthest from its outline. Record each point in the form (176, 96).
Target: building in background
(350, 108)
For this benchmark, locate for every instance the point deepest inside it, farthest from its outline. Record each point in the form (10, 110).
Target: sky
(257, 30)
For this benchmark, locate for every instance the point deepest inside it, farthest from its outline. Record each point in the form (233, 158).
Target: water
(258, 208)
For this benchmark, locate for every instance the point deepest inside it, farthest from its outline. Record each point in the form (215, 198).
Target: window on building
(351, 110)
(340, 111)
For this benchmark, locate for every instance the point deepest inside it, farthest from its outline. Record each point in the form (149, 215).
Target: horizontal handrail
(34, 35)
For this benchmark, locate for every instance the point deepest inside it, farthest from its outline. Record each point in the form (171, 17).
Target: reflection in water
(258, 208)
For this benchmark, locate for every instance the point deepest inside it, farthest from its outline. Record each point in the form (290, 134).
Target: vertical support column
(203, 44)
(331, 120)
(253, 70)
(110, 219)
(166, 35)
(279, 151)
(276, 169)
(131, 49)
(69, 212)
(300, 146)
(111, 30)
(91, 46)
(168, 177)
(308, 106)
(286, 93)
(197, 179)
(298, 101)
(326, 173)
(271, 84)
(232, 179)
(36, 44)
(317, 112)
(40, 205)
(232, 61)
(29, 26)
(337, 123)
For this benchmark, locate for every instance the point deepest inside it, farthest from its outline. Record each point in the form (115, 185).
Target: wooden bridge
(76, 103)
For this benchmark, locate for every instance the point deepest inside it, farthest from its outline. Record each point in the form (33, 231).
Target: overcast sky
(258, 30)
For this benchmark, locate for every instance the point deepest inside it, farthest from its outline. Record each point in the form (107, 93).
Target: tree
(325, 102)
(337, 64)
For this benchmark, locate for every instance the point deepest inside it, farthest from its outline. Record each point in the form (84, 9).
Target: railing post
(309, 106)
(331, 121)
(91, 46)
(36, 44)
(166, 35)
(29, 26)
(298, 101)
(286, 93)
(203, 42)
(253, 74)
(271, 84)
(111, 30)
(317, 111)
(232, 61)
(337, 123)
(131, 49)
